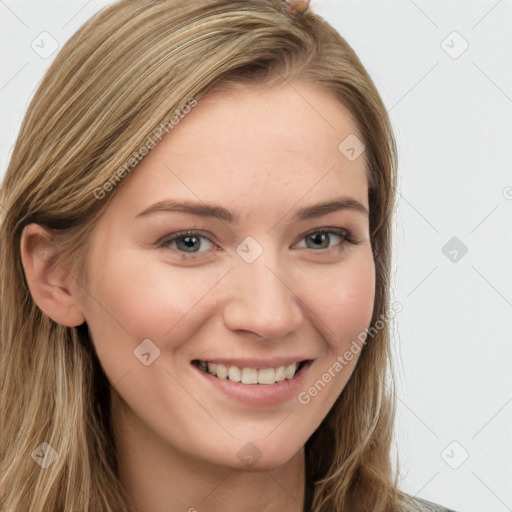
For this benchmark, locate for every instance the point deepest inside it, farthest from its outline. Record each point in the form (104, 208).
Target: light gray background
(452, 113)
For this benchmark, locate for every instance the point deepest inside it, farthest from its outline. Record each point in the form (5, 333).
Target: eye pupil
(189, 241)
(318, 238)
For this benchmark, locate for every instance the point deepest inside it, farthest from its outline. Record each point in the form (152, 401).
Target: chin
(261, 456)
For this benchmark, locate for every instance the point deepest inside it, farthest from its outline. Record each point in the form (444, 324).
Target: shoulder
(422, 505)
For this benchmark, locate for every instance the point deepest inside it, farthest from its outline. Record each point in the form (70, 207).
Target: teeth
(266, 376)
(221, 371)
(250, 375)
(234, 373)
(289, 371)
(280, 373)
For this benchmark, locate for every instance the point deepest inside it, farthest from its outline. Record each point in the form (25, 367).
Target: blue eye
(190, 241)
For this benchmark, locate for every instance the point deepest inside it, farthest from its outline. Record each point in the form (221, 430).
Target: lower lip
(260, 395)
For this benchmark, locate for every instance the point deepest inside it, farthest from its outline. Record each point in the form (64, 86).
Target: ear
(50, 285)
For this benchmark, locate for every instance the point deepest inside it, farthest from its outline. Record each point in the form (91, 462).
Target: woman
(195, 270)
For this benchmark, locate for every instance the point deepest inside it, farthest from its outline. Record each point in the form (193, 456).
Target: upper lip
(257, 363)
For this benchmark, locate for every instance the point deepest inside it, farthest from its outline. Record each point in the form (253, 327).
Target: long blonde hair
(125, 72)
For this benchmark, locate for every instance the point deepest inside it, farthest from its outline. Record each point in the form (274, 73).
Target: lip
(258, 395)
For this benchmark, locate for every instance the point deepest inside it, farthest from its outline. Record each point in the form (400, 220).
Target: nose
(263, 301)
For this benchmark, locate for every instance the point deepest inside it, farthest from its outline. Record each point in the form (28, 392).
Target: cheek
(344, 312)
(342, 298)
(133, 298)
(356, 302)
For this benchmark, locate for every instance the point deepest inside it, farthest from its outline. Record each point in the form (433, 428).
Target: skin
(263, 154)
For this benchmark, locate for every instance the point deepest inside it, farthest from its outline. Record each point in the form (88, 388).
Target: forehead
(251, 145)
(300, 118)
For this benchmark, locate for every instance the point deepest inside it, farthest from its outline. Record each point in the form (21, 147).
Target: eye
(185, 241)
(321, 238)
(191, 241)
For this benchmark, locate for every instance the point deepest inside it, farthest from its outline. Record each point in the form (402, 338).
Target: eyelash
(344, 234)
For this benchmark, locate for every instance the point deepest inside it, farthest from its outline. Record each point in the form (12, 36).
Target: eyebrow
(223, 214)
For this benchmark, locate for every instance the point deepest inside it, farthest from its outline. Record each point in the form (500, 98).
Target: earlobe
(49, 283)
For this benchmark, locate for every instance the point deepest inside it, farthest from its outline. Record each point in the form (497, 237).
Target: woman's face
(255, 288)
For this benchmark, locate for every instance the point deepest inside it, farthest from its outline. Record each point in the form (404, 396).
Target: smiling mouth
(250, 376)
